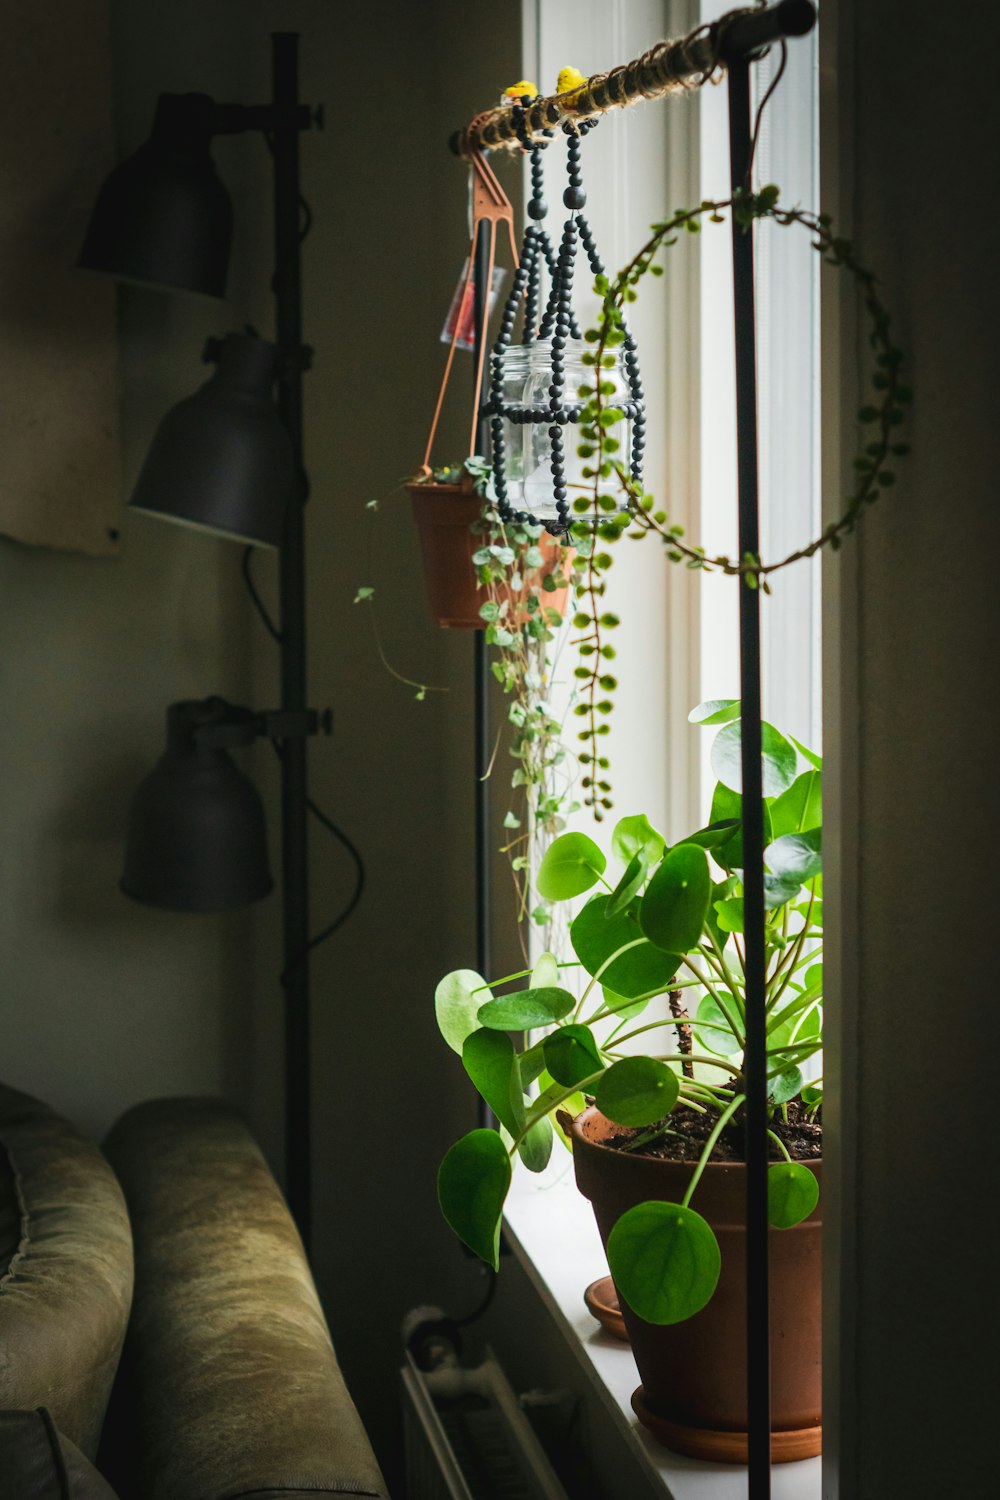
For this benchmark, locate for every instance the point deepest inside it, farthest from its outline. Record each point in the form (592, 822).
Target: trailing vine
(524, 631)
(608, 480)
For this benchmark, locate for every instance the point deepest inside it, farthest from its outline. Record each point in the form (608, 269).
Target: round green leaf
(673, 910)
(637, 1091)
(779, 889)
(545, 974)
(636, 835)
(491, 1062)
(779, 759)
(814, 978)
(792, 1193)
(530, 1063)
(807, 1026)
(809, 755)
(642, 969)
(729, 914)
(457, 1000)
(803, 1022)
(722, 1043)
(472, 1185)
(630, 884)
(715, 711)
(796, 856)
(715, 835)
(665, 1261)
(526, 1008)
(725, 804)
(722, 891)
(571, 1055)
(799, 808)
(622, 1006)
(571, 865)
(536, 1148)
(784, 1086)
(730, 854)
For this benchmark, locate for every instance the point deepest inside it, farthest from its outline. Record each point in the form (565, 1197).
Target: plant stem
(709, 1146)
(727, 976)
(722, 1004)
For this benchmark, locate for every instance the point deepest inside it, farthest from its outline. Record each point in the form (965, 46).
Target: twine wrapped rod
(669, 67)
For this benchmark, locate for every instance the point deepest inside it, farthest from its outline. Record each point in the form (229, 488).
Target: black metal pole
(755, 1063)
(294, 813)
(480, 663)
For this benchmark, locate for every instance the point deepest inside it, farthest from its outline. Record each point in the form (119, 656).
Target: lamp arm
(235, 726)
(199, 114)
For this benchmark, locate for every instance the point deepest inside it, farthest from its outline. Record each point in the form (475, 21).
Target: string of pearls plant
(608, 479)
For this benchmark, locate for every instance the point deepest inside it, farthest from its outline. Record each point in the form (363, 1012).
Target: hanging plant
(527, 577)
(514, 582)
(609, 483)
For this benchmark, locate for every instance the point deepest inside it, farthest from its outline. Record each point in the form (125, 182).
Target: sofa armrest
(65, 1269)
(235, 1384)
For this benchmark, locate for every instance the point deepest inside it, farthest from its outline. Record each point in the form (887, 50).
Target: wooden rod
(669, 67)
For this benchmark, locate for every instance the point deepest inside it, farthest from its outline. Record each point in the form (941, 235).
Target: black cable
(359, 880)
(359, 876)
(760, 113)
(317, 812)
(484, 1303)
(258, 602)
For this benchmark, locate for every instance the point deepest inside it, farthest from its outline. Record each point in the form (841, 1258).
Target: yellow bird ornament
(518, 91)
(568, 80)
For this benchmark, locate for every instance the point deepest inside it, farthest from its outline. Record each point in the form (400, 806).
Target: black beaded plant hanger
(558, 324)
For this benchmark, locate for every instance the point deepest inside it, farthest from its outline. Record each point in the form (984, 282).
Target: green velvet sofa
(160, 1333)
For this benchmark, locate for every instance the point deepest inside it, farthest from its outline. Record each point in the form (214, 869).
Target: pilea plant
(608, 479)
(658, 953)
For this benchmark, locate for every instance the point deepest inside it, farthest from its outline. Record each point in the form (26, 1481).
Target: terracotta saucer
(602, 1304)
(724, 1447)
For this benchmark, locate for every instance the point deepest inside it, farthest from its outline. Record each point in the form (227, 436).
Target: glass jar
(526, 376)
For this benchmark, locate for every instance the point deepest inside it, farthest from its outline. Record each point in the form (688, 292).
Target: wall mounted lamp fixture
(228, 460)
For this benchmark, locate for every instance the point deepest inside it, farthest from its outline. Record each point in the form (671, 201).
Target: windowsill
(551, 1229)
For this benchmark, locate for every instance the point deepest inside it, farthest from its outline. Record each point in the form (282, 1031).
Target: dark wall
(107, 1003)
(912, 633)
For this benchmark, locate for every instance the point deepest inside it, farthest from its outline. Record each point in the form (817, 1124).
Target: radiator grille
(467, 1439)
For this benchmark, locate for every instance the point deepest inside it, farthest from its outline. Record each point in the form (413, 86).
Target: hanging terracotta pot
(444, 514)
(693, 1391)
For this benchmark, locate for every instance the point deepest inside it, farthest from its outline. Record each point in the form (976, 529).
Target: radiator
(466, 1437)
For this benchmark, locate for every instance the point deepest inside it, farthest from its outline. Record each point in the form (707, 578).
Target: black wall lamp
(196, 839)
(228, 460)
(222, 459)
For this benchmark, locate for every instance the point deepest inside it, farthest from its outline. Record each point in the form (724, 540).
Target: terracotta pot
(693, 1392)
(444, 513)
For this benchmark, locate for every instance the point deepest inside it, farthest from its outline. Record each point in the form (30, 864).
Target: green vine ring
(881, 417)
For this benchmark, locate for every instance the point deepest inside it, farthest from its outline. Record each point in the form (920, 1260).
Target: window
(678, 642)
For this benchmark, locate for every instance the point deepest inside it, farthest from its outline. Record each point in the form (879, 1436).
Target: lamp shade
(163, 217)
(222, 459)
(196, 838)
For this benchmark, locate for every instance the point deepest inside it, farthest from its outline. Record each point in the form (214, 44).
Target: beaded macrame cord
(558, 324)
